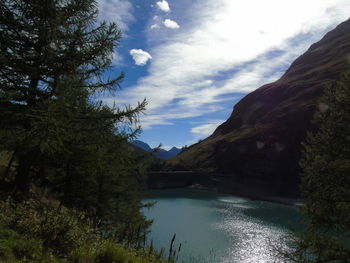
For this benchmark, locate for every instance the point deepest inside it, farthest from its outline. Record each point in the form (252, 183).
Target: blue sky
(193, 60)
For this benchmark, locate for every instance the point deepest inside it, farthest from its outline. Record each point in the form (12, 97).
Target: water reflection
(251, 236)
(218, 228)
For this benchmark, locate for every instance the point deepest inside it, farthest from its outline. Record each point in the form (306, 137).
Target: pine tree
(45, 44)
(326, 182)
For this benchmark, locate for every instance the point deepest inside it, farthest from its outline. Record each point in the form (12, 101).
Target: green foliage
(110, 252)
(326, 182)
(61, 229)
(38, 232)
(55, 58)
(54, 61)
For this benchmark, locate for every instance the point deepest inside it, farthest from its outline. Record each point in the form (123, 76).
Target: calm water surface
(218, 228)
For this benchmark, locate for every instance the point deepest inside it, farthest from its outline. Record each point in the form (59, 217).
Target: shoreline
(221, 183)
(273, 199)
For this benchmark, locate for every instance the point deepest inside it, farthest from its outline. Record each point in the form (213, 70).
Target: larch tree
(325, 183)
(45, 44)
(54, 58)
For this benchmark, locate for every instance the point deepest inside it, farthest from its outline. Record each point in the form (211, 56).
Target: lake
(218, 228)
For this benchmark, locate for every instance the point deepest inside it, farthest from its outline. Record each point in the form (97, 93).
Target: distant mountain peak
(142, 145)
(175, 150)
(159, 152)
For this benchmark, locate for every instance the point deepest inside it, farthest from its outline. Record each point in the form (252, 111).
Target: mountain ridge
(159, 153)
(261, 140)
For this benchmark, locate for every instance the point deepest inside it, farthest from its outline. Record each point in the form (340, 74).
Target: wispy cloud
(226, 47)
(165, 117)
(204, 130)
(171, 24)
(154, 26)
(140, 56)
(164, 6)
(119, 11)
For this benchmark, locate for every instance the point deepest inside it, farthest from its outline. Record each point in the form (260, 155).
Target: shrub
(34, 232)
(60, 229)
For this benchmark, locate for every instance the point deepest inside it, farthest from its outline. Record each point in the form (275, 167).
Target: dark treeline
(325, 183)
(55, 59)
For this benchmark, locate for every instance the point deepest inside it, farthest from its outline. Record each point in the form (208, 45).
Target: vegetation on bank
(33, 231)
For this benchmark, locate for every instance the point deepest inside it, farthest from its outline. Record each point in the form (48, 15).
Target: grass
(35, 232)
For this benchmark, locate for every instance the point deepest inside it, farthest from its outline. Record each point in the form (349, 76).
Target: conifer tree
(326, 182)
(45, 44)
(54, 58)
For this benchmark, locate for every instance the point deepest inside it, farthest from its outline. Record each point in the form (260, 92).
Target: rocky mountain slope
(259, 145)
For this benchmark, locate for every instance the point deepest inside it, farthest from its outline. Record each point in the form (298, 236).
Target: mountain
(162, 154)
(142, 145)
(159, 153)
(166, 155)
(174, 151)
(259, 145)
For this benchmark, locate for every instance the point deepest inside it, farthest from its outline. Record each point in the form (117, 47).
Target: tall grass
(37, 232)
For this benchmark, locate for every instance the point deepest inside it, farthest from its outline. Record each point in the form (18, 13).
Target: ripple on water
(251, 238)
(215, 228)
(235, 203)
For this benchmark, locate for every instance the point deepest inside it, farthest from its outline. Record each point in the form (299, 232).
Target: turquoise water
(218, 228)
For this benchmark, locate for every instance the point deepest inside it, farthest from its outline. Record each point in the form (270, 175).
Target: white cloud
(223, 49)
(204, 83)
(206, 129)
(119, 11)
(154, 26)
(117, 59)
(164, 118)
(164, 6)
(171, 24)
(140, 56)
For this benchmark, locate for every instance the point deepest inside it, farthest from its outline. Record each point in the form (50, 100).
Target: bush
(16, 248)
(61, 230)
(34, 232)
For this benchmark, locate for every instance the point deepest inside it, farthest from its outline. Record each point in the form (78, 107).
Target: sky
(194, 60)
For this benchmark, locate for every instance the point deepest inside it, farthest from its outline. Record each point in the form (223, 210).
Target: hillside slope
(260, 143)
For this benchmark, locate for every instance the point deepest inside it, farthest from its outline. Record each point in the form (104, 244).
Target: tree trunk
(68, 191)
(8, 168)
(22, 180)
(100, 195)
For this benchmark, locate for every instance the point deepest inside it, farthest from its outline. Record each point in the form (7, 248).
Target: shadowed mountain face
(260, 143)
(142, 145)
(174, 151)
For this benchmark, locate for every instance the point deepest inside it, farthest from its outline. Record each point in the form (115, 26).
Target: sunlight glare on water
(250, 235)
(216, 228)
